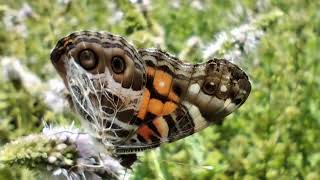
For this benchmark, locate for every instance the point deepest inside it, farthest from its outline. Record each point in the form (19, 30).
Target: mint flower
(64, 153)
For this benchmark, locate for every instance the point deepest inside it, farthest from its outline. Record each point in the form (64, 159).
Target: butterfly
(132, 100)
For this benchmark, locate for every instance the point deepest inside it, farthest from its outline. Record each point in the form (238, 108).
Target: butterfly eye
(118, 65)
(88, 59)
(209, 87)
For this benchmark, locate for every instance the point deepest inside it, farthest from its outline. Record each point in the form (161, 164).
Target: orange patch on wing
(155, 106)
(161, 126)
(173, 97)
(145, 132)
(150, 71)
(168, 108)
(67, 42)
(162, 82)
(144, 104)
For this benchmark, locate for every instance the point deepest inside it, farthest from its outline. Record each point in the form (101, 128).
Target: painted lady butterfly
(133, 100)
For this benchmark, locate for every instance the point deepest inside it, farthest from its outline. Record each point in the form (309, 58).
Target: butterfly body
(133, 100)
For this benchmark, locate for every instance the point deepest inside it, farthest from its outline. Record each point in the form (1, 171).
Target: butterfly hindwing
(181, 99)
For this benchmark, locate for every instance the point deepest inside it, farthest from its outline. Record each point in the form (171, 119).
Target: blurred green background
(274, 135)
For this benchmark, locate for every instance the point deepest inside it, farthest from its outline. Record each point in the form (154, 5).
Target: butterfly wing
(181, 99)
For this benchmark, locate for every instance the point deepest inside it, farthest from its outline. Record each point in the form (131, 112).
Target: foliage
(275, 135)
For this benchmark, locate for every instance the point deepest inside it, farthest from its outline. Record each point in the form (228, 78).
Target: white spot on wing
(161, 84)
(223, 88)
(227, 102)
(231, 107)
(194, 89)
(216, 104)
(198, 120)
